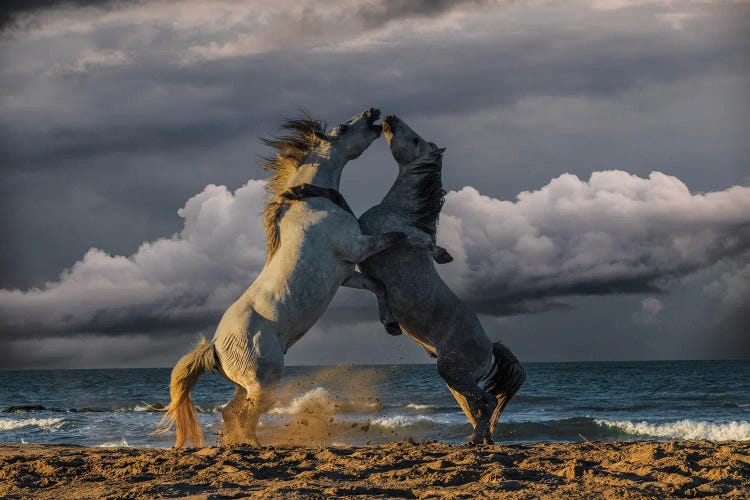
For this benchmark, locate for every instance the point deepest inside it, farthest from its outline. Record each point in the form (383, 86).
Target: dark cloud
(12, 8)
(113, 116)
(378, 14)
(729, 321)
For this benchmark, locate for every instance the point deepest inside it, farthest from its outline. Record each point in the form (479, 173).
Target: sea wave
(684, 429)
(424, 427)
(47, 424)
(399, 421)
(320, 400)
(115, 444)
(145, 407)
(418, 407)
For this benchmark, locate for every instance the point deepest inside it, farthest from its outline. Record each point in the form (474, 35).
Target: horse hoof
(442, 257)
(473, 441)
(393, 329)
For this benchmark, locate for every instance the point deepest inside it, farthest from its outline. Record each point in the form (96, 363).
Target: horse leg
(507, 381)
(356, 250)
(254, 407)
(267, 360)
(479, 402)
(255, 364)
(232, 415)
(359, 280)
(464, 404)
(420, 239)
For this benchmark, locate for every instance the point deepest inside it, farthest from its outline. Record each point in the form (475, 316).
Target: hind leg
(233, 415)
(509, 379)
(255, 365)
(463, 403)
(359, 280)
(479, 403)
(267, 358)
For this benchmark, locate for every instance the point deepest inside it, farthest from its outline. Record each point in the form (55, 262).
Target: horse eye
(343, 128)
(415, 141)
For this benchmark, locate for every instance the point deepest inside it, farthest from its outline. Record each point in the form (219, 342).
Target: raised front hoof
(393, 329)
(442, 256)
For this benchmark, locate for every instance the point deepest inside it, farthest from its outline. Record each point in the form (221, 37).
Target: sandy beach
(398, 470)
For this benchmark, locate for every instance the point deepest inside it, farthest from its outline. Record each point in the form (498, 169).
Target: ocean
(564, 402)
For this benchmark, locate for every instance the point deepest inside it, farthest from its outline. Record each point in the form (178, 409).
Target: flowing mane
(429, 194)
(291, 148)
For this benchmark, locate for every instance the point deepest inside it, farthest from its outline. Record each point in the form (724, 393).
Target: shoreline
(396, 470)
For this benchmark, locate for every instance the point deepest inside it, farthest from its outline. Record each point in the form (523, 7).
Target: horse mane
(293, 146)
(429, 195)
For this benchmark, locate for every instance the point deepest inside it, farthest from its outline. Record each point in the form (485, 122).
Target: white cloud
(170, 281)
(615, 233)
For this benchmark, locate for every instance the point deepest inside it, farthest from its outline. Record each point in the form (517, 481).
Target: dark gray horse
(482, 376)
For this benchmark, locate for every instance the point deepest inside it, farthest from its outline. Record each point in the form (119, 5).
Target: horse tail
(507, 380)
(181, 410)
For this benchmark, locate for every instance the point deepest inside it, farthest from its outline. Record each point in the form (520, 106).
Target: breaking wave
(451, 427)
(417, 407)
(684, 429)
(47, 424)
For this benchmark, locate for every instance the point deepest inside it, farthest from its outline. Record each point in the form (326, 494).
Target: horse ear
(321, 135)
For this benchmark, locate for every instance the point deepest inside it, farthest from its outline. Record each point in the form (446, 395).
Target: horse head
(408, 147)
(348, 140)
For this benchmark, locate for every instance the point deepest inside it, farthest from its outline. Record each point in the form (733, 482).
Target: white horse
(313, 243)
(482, 376)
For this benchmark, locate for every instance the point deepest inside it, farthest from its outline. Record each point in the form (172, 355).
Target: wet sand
(397, 470)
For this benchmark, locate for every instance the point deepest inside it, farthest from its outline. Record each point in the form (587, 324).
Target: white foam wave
(115, 444)
(414, 406)
(685, 429)
(47, 424)
(399, 421)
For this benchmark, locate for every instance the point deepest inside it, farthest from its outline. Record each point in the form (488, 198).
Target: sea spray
(308, 408)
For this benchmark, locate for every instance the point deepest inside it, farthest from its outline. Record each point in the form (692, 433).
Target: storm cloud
(115, 113)
(615, 233)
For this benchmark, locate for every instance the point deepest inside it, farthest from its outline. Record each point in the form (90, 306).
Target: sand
(396, 470)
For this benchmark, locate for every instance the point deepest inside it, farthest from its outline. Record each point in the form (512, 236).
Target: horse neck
(404, 189)
(322, 171)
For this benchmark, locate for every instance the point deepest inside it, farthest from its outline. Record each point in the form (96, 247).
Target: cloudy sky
(598, 163)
